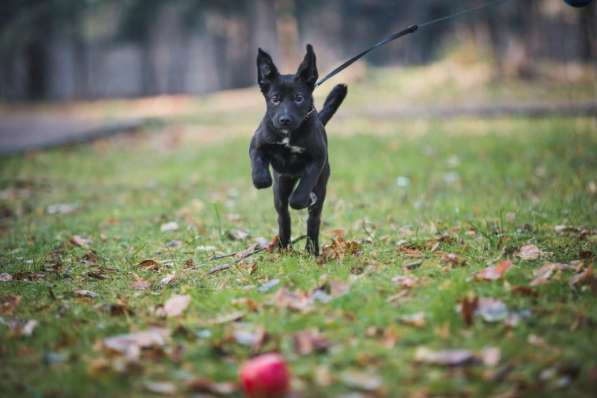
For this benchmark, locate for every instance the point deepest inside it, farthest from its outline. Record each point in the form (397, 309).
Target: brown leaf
(90, 257)
(168, 279)
(149, 265)
(140, 283)
(237, 234)
(4, 277)
(339, 248)
(225, 318)
(583, 277)
(254, 339)
(453, 260)
(450, 358)
(529, 253)
(417, 319)
(283, 298)
(175, 306)
(410, 251)
(492, 310)
(189, 263)
(120, 307)
(200, 385)
(468, 307)
(494, 272)
(365, 381)
(405, 281)
(490, 356)
(274, 244)
(160, 387)
(130, 345)
(80, 241)
(21, 327)
(544, 274)
(8, 303)
(85, 293)
(524, 291)
(309, 341)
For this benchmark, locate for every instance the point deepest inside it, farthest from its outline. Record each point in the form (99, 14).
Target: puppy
(291, 139)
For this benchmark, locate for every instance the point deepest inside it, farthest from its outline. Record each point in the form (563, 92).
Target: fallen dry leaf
(160, 387)
(417, 319)
(62, 208)
(120, 307)
(309, 341)
(410, 251)
(149, 265)
(283, 298)
(468, 307)
(85, 293)
(8, 303)
(339, 248)
(169, 226)
(492, 310)
(175, 306)
(445, 358)
(494, 272)
(225, 318)
(130, 345)
(529, 253)
(365, 381)
(453, 260)
(405, 281)
(583, 277)
(200, 385)
(165, 281)
(80, 241)
(254, 339)
(140, 283)
(544, 274)
(490, 356)
(4, 277)
(237, 234)
(22, 328)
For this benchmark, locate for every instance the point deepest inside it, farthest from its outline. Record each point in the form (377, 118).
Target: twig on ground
(242, 255)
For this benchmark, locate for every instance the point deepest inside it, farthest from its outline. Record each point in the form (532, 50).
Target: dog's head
(289, 98)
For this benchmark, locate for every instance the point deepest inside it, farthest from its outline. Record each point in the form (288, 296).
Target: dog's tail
(332, 103)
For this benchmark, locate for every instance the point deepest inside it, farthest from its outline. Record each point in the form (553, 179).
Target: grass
(477, 189)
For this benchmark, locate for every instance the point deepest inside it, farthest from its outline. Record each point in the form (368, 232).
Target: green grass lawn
(436, 202)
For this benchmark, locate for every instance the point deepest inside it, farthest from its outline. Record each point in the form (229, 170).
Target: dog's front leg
(259, 168)
(303, 196)
(283, 186)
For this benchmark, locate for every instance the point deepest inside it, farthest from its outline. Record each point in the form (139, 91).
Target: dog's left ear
(307, 70)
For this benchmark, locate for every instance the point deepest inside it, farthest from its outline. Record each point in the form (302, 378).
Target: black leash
(407, 31)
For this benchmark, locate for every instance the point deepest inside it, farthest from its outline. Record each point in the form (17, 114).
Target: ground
(416, 211)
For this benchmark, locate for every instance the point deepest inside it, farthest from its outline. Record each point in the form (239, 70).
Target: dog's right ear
(266, 70)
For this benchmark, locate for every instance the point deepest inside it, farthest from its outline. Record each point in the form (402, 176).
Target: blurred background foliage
(86, 49)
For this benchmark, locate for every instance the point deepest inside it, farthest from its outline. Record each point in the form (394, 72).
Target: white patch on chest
(293, 148)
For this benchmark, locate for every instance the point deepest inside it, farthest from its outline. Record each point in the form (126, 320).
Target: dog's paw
(299, 203)
(262, 180)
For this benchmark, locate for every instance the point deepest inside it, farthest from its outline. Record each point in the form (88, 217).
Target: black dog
(292, 139)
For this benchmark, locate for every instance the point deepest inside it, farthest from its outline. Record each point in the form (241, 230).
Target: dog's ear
(266, 70)
(307, 70)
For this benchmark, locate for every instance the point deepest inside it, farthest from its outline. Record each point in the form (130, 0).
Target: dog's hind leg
(314, 220)
(283, 187)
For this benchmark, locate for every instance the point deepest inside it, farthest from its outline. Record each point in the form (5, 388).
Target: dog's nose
(284, 121)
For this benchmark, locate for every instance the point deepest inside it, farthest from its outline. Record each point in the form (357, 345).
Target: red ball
(265, 376)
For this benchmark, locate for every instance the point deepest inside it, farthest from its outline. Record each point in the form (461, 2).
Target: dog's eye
(299, 99)
(275, 99)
